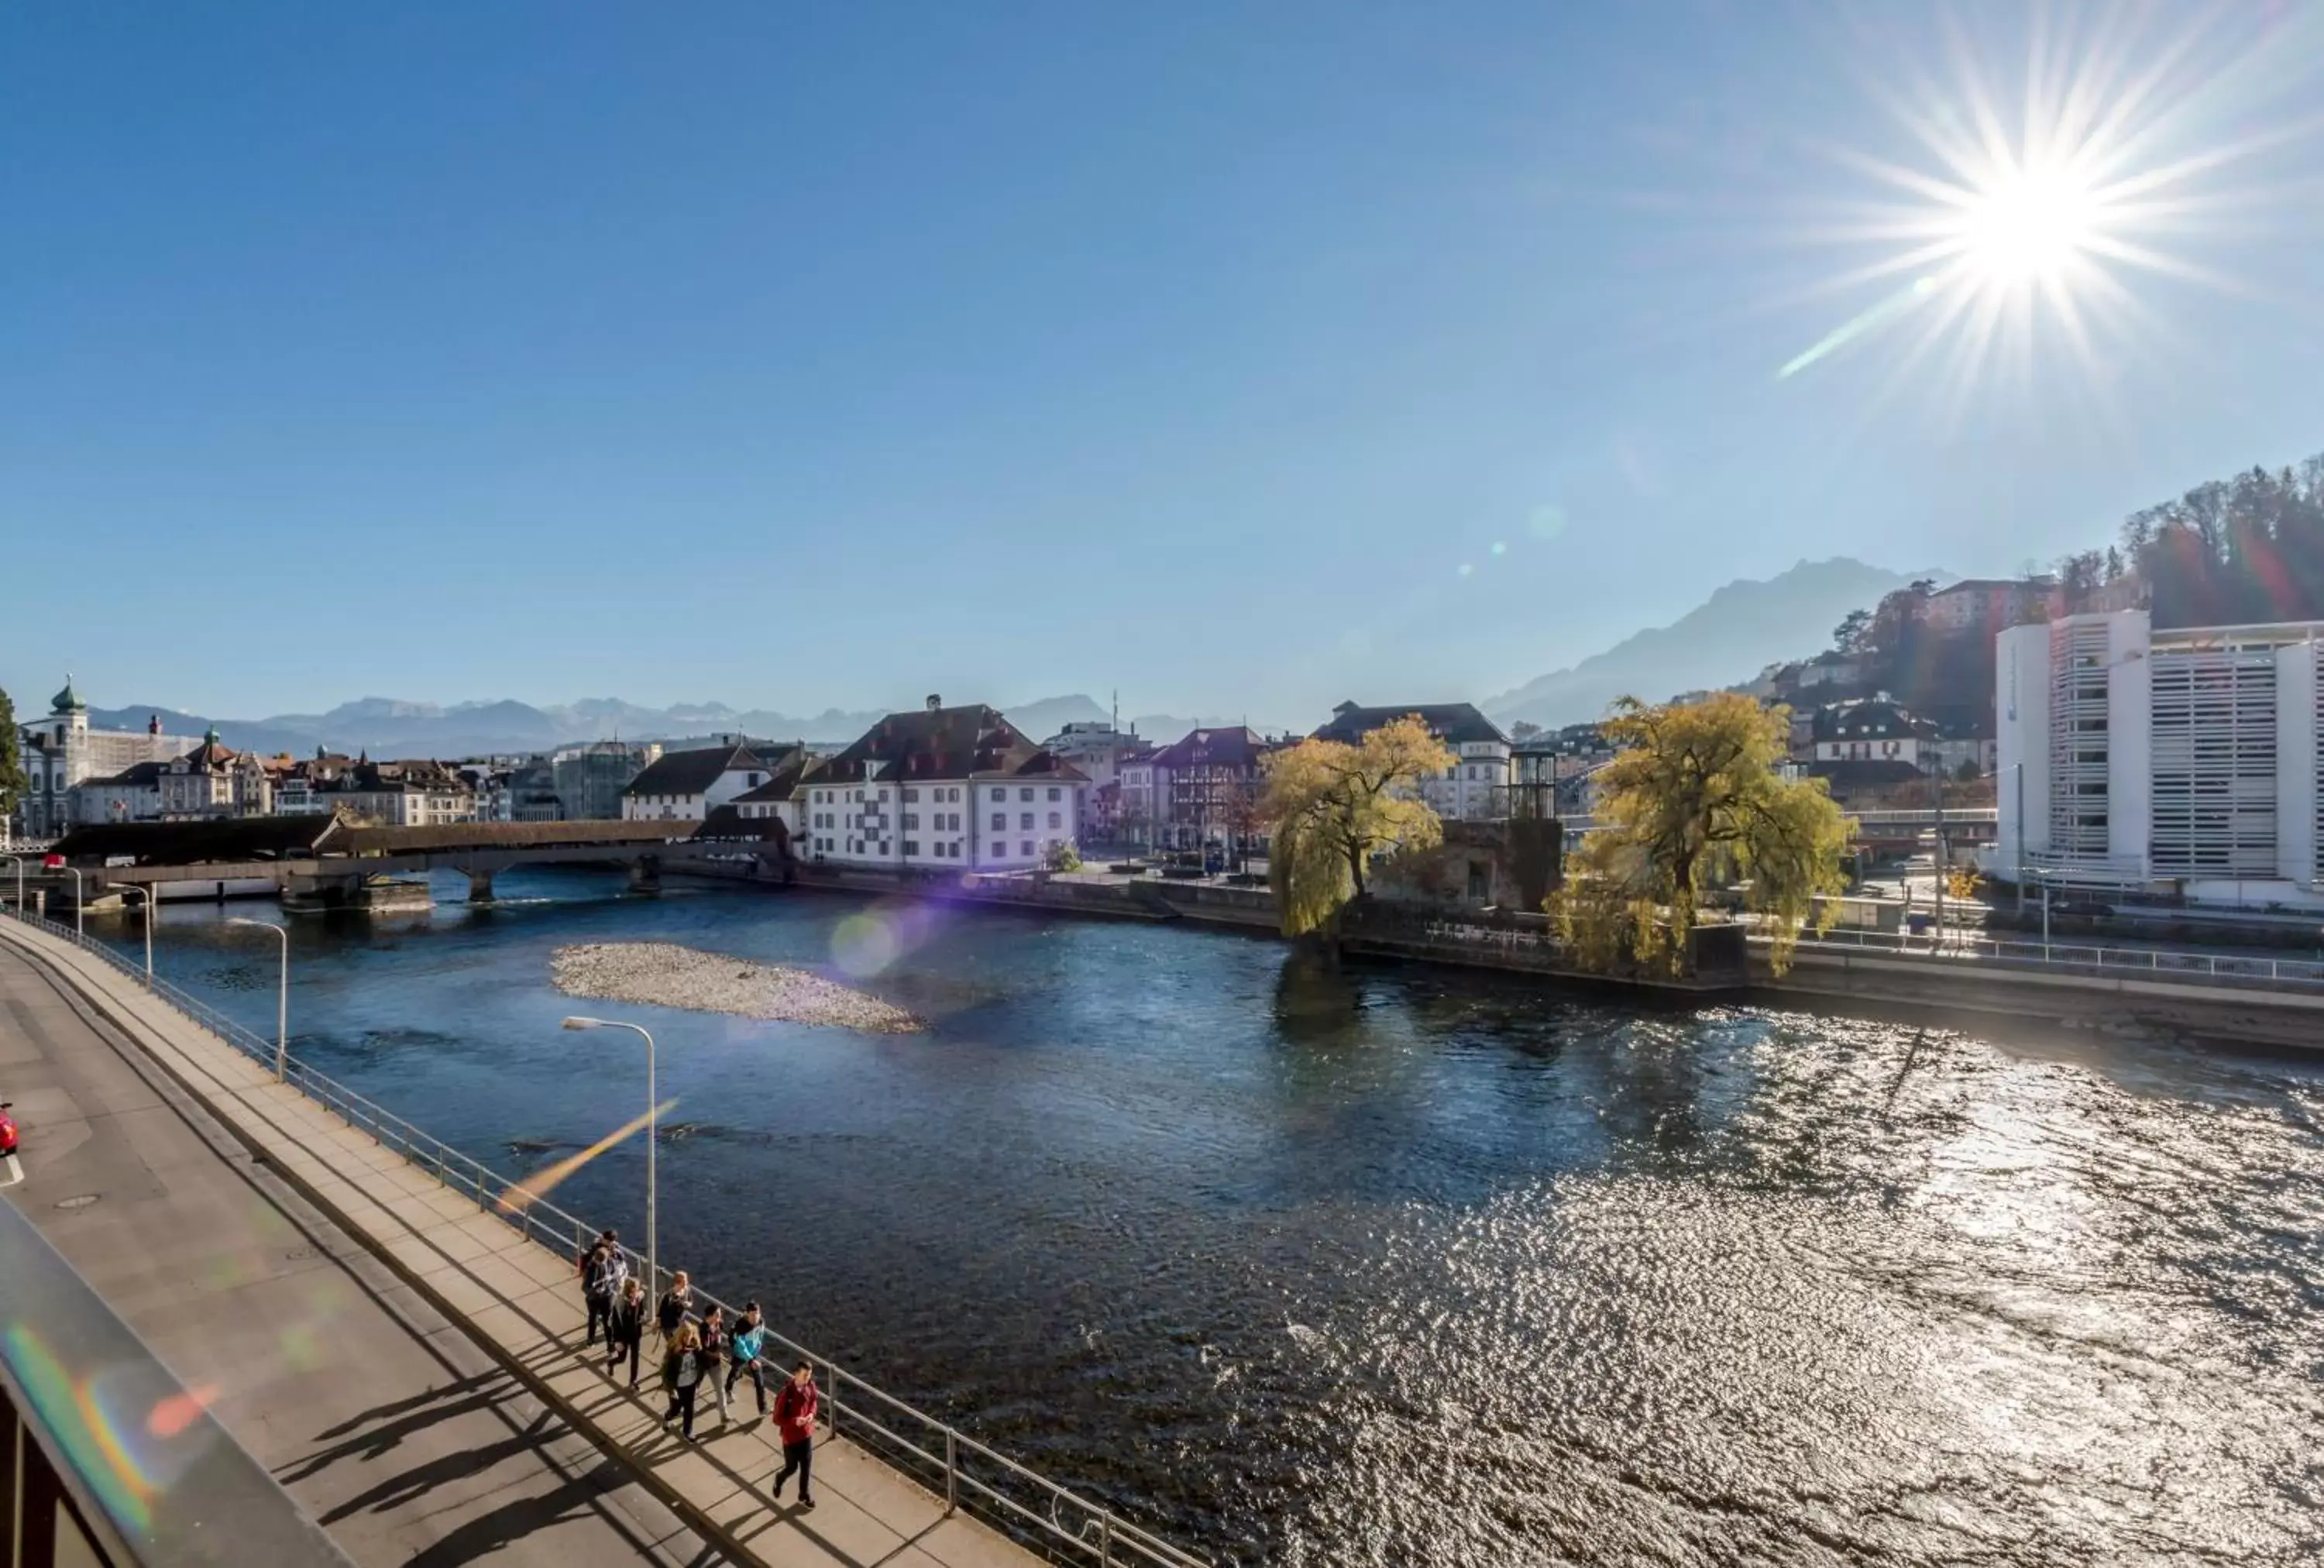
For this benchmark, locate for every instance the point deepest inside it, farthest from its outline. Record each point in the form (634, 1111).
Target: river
(1408, 1265)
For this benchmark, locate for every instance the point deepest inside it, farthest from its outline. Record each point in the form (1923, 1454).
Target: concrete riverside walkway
(521, 1302)
(383, 1419)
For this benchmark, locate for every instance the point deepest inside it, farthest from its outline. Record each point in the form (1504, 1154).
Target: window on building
(911, 846)
(1024, 795)
(1025, 821)
(911, 795)
(1055, 793)
(911, 818)
(999, 822)
(1026, 850)
(1056, 819)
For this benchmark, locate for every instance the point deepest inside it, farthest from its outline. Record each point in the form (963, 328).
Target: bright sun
(2011, 225)
(2030, 225)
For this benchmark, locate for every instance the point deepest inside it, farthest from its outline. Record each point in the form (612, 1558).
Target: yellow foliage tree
(1694, 794)
(1331, 807)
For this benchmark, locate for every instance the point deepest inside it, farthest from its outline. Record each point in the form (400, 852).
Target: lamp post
(282, 998)
(74, 871)
(653, 1136)
(147, 892)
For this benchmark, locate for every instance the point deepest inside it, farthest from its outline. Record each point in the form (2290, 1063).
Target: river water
(1406, 1266)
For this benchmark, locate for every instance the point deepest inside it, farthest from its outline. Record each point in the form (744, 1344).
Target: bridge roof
(238, 838)
(457, 835)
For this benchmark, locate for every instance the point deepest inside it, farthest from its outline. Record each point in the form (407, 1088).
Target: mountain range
(1729, 638)
(390, 727)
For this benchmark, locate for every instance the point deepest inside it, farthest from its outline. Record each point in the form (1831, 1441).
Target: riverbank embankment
(1955, 987)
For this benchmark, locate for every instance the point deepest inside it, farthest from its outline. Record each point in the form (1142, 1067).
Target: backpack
(606, 1277)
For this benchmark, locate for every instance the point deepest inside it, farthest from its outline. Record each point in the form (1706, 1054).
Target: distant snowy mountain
(1728, 639)
(391, 727)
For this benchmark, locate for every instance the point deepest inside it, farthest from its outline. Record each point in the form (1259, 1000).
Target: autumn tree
(1692, 797)
(12, 783)
(1331, 807)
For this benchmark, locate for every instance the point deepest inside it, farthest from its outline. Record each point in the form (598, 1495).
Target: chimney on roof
(934, 702)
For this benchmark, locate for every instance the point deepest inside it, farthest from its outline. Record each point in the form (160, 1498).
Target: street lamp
(148, 893)
(282, 997)
(74, 871)
(653, 1136)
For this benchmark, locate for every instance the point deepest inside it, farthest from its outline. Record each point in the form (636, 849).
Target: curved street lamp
(281, 998)
(147, 893)
(653, 1137)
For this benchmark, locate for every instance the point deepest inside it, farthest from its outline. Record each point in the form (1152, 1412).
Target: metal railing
(998, 1491)
(2079, 956)
(1952, 945)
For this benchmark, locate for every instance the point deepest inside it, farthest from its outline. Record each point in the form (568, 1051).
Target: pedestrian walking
(671, 1310)
(625, 1329)
(742, 1349)
(582, 1255)
(681, 1376)
(712, 1331)
(601, 1281)
(795, 1425)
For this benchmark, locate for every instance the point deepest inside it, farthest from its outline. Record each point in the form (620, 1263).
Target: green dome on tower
(67, 701)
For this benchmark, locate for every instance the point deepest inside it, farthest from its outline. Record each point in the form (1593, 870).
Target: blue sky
(795, 357)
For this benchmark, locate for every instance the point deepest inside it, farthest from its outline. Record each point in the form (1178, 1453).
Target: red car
(7, 1130)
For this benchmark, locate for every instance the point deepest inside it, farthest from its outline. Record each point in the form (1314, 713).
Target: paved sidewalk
(388, 1424)
(520, 1299)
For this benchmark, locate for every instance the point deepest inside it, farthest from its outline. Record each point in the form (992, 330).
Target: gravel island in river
(664, 974)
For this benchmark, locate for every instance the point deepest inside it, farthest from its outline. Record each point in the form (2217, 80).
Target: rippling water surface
(1403, 1266)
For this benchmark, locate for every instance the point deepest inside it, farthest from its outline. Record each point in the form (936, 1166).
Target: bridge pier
(480, 887)
(645, 875)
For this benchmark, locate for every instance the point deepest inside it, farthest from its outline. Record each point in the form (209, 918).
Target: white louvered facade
(2183, 761)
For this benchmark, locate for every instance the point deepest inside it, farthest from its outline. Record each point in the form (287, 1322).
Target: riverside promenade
(507, 1297)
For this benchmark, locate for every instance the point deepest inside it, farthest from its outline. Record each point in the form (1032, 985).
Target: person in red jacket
(794, 1420)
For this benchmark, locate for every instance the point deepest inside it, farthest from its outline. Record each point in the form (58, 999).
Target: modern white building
(62, 750)
(2175, 762)
(1476, 788)
(946, 788)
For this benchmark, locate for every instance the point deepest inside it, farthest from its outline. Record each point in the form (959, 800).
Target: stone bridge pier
(480, 885)
(645, 875)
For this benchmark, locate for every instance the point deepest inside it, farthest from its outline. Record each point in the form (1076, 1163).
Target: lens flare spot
(1500, 546)
(1546, 523)
(864, 944)
(179, 1411)
(1466, 569)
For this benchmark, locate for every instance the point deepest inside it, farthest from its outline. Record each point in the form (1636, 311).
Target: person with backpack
(670, 1313)
(795, 1425)
(601, 1282)
(714, 1352)
(743, 1347)
(625, 1329)
(681, 1378)
(581, 1258)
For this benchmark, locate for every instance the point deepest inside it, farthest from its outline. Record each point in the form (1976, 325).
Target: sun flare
(2028, 214)
(2031, 226)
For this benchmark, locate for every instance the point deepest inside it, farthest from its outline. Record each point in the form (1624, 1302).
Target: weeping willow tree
(1694, 797)
(1331, 807)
